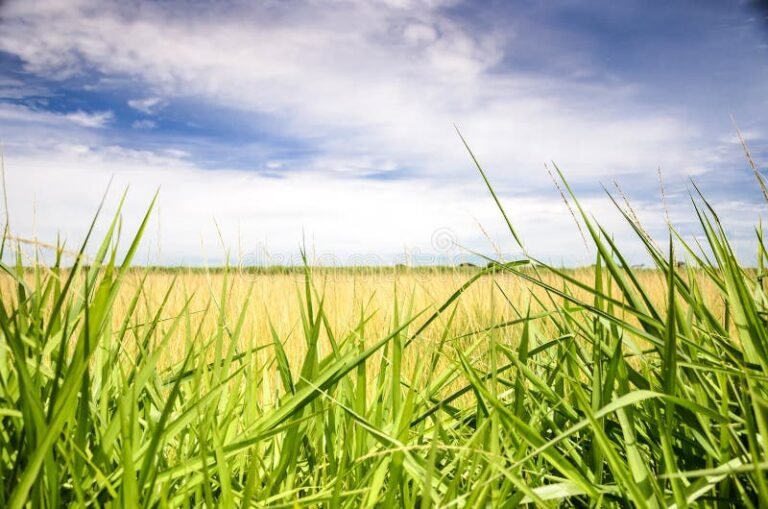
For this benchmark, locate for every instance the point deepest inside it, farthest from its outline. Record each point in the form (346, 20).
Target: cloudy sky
(332, 122)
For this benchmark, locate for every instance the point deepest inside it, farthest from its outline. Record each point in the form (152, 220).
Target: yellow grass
(276, 299)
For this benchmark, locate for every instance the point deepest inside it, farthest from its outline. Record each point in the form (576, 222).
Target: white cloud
(144, 124)
(418, 33)
(22, 115)
(96, 119)
(148, 105)
(15, 89)
(384, 79)
(338, 217)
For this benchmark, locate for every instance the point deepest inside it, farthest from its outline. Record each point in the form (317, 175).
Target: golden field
(273, 300)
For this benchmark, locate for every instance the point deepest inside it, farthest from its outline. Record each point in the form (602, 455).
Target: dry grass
(274, 300)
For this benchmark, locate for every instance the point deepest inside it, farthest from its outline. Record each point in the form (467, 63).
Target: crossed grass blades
(594, 395)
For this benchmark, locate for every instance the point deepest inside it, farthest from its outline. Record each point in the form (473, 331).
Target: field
(514, 384)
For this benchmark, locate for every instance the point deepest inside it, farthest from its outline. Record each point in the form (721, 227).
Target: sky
(267, 126)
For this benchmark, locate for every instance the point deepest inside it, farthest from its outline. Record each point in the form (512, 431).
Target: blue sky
(332, 121)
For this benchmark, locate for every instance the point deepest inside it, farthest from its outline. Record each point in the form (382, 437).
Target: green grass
(629, 403)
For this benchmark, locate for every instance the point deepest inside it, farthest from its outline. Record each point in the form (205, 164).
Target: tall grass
(591, 394)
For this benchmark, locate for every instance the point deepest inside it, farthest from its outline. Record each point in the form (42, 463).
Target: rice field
(518, 383)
